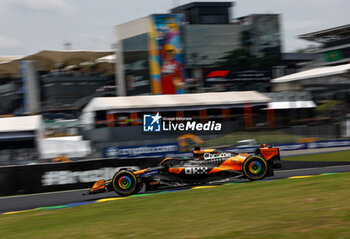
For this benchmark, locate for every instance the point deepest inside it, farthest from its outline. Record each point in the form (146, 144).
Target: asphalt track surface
(27, 202)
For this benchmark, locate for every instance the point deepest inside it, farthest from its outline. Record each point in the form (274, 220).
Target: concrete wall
(124, 31)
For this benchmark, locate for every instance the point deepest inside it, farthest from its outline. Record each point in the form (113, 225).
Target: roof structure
(46, 60)
(4, 59)
(314, 73)
(291, 105)
(202, 4)
(330, 34)
(205, 100)
(20, 123)
(109, 59)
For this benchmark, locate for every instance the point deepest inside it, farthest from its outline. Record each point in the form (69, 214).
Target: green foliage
(262, 137)
(327, 105)
(343, 156)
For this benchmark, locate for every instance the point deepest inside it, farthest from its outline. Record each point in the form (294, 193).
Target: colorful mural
(166, 54)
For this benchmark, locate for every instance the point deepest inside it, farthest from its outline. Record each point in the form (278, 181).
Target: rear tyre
(255, 167)
(125, 183)
(139, 187)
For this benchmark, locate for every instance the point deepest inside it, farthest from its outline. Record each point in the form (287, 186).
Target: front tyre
(255, 167)
(125, 183)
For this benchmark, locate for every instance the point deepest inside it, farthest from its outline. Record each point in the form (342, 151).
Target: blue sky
(28, 26)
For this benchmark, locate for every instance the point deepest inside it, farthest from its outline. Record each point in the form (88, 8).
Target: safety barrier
(81, 174)
(298, 146)
(64, 176)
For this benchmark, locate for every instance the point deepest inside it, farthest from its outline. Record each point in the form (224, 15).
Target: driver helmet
(196, 152)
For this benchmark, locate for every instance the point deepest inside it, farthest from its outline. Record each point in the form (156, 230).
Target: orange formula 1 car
(208, 165)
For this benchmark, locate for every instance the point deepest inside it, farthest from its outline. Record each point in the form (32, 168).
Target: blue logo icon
(151, 123)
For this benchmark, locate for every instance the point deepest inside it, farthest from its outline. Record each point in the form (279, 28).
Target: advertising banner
(65, 176)
(166, 54)
(137, 82)
(237, 76)
(154, 150)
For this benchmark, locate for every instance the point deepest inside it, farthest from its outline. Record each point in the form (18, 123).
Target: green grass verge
(342, 156)
(316, 207)
(264, 137)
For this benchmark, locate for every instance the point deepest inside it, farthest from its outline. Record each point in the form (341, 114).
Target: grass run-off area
(313, 207)
(342, 156)
(263, 137)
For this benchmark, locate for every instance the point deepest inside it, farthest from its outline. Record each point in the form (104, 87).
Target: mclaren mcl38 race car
(206, 166)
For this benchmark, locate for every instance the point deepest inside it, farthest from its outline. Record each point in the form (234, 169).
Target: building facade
(167, 53)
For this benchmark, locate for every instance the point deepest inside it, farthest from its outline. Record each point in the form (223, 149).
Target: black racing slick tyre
(125, 183)
(255, 168)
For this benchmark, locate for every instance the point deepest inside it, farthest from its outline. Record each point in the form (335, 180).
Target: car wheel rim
(124, 182)
(255, 167)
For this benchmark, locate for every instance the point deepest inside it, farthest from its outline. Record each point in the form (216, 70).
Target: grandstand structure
(64, 80)
(334, 45)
